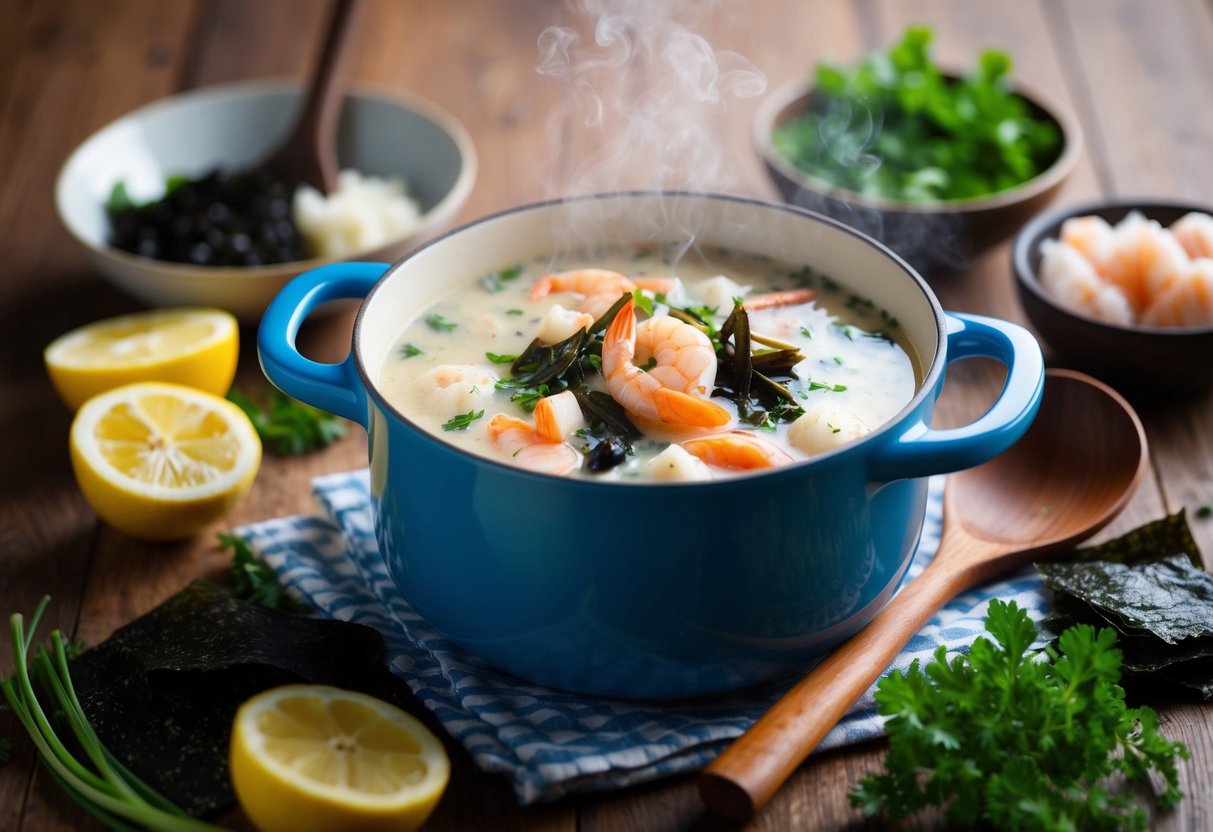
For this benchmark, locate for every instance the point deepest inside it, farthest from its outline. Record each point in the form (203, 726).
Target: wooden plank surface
(69, 66)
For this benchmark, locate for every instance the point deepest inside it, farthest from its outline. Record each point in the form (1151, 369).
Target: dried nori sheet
(161, 692)
(1150, 585)
(1170, 599)
(1156, 540)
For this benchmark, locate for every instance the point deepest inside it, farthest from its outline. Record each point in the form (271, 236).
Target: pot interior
(561, 230)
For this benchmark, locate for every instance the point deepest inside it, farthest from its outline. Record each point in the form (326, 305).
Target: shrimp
(684, 372)
(1145, 260)
(560, 323)
(599, 288)
(1066, 275)
(737, 450)
(1195, 233)
(530, 449)
(1093, 237)
(449, 389)
(1186, 302)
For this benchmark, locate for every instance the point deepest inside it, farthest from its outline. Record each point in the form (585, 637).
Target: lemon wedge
(312, 757)
(194, 346)
(162, 461)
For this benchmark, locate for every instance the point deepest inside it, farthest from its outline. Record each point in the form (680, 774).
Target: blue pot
(649, 590)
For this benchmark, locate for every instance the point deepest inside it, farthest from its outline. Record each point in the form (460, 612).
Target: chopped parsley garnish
(846, 330)
(1205, 511)
(514, 312)
(833, 388)
(806, 332)
(439, 324)
(803, 278)
(889, 320)
(463, 420)
(410, 350)
(833, 429)
(838, 360)
(595, 361)
(500, 359)
(527, 399)
(496, 281)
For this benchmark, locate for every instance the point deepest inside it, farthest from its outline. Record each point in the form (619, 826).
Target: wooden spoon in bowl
(1067, 478)
(309, 153)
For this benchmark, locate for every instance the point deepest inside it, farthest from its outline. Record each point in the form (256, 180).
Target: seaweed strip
(161, 692)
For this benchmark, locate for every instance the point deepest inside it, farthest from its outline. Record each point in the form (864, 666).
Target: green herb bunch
(895, 127)
(1003, 738)
(287, 426)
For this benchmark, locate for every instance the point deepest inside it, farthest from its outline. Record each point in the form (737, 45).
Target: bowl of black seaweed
(940, 166)
(170, 205)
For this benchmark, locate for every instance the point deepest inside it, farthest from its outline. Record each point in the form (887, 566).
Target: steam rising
(645, 99)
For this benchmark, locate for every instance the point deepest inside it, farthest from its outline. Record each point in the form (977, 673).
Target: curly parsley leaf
(255, 582)
(410, 350)
(1009, 739)
(287, 426)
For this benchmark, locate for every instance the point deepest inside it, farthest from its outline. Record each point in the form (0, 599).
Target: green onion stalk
(99, 783)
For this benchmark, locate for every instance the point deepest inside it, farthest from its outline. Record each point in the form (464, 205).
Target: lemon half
(162, 461)
(196, 347)
(312, 757)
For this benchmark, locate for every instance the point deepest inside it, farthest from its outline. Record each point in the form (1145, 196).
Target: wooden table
(1137, 74)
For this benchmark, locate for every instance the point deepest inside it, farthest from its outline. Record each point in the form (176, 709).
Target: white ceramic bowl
(234, 126)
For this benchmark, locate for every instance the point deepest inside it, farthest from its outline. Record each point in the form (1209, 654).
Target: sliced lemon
(162, 461)
(195, 347)
(312, 757)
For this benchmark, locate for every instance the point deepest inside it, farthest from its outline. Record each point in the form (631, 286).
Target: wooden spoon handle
(745, 777)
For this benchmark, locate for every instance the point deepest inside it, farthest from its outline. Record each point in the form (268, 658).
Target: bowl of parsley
(939, 166)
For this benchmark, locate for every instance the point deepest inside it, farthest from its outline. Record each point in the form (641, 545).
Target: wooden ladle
(1071, 473)
(309, 152)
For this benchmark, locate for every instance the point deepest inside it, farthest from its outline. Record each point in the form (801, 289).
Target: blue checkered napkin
(551, 743)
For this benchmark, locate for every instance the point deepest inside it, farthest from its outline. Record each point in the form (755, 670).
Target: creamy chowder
(634, 367)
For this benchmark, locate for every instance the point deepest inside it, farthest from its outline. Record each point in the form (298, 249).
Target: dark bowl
(935, 237)
(1133, 358)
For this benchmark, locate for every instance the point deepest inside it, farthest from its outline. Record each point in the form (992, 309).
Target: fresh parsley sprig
(255, 582)
(287, 426)
(1009, 739)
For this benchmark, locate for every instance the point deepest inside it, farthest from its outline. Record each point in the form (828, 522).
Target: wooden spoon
(309, 153)
(1071, 473)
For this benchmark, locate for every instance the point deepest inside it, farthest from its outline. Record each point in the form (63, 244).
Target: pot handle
(332, 387)
(921, 451)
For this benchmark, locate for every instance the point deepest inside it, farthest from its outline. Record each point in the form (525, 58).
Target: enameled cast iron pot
(649, 590)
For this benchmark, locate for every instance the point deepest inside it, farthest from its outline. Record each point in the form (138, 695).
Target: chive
(96, 781)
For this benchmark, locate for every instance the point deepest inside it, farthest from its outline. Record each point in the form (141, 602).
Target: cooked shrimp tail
(530, 449)
(738, 451)
(599, 288)
(685, 367)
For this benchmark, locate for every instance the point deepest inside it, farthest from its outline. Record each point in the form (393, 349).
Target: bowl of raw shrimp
(1123, 290)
